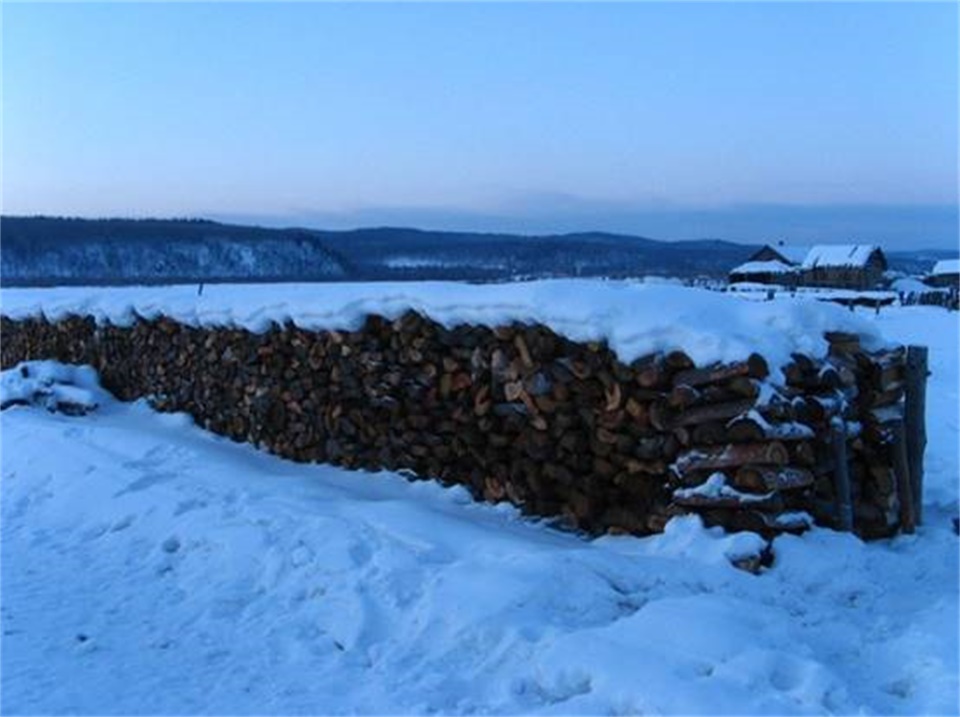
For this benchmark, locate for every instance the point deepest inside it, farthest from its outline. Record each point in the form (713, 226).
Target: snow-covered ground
(150, 567)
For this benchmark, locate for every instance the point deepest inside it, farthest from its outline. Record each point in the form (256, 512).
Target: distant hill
(50, 251)
(46, 251)
(918, 262)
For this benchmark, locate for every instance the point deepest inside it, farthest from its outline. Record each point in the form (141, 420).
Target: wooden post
(915, 418)
(901, 468)
(841, 475)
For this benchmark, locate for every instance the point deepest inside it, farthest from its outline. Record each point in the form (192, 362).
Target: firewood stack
(773, 466)
(522, 414)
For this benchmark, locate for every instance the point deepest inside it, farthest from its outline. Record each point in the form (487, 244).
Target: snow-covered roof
(635, 318)
(763, 267)
(795, 253)
(945, 267)
(839, 255)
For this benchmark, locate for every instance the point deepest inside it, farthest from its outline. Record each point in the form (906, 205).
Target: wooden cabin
(844, 266)
(945, 273)
(778, 265)
(771, 271)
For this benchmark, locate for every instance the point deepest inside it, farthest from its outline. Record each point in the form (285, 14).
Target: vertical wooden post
(914, 415)
(901, 468)
(841, 475)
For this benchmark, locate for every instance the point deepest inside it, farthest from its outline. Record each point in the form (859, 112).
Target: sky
(743, 121)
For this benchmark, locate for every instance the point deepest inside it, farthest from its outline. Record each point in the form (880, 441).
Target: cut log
(754, 367)
(766, 478)
(769, 503)
(715, 412)
(732, 455)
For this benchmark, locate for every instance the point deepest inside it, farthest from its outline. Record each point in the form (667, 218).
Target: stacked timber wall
(520, 413)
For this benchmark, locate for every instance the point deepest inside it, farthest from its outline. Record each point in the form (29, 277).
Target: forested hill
(45, 250)
(41, 250)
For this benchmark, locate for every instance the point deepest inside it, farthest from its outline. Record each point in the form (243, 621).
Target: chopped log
(648, 467)
(681, 396)
(612, 396)
(766, 478)
(636, 409)
(513, 390)
(770, 503)
(842, 342)
(660, 416)
(709, 433)
(744, 386)
(732, 455)
(523, 351)
(715, 412)
(482, 402)
(678, 361)
(754, 367)
(650, 371)
(745, 429)
(884, 398)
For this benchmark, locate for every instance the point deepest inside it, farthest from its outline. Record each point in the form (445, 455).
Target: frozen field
(150, 567)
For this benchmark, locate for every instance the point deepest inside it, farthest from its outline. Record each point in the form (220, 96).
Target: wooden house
(945, 273)
(789, 254)
(844, 266)
(777, 265)
(772, 271)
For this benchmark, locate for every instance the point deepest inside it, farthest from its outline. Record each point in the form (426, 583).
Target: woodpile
(519, 413)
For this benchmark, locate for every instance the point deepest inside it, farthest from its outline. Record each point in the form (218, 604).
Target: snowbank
(53, 385)
(636, 319)
(150, 567)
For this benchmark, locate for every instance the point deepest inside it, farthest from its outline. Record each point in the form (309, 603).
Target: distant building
(771, 265)
(945, 273)
(844, 266)
(851, 266)
(790, 254)
(771, 271)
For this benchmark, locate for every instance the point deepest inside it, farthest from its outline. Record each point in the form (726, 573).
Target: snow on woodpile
(635, 319)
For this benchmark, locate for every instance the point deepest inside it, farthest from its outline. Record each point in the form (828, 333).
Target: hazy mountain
(46, 250)
(121, 251)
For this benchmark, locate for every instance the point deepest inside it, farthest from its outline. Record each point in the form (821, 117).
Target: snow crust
(635, 318)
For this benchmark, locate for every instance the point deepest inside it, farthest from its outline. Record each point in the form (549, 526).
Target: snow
(794, 253)
(764, 267)
(716, 487)
(151, 567)
(946, 266)
(51, 384)
(910, 285)
(839, 255)
(635, 318)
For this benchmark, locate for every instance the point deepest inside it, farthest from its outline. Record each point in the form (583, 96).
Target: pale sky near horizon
(743, 121)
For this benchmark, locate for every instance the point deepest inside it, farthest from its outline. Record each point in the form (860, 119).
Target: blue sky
(745, 121)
